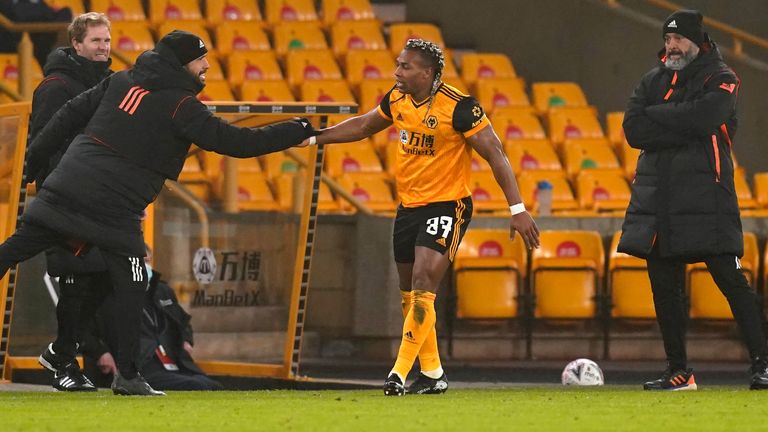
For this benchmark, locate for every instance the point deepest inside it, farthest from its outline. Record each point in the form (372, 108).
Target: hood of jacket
(67, 62)
(158, 70)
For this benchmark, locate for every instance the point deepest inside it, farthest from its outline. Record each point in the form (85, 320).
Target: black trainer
(393, 386)
(71, 379)
(133, 387)
(673, 380)
(53, 361)
(427, 385)
(759, 379)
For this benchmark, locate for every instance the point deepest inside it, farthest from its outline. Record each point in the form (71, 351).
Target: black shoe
(393, 386)
(759, 379)
(53, 361)
(673, 380)
(133, 387)
(427, 385)
(71, 379)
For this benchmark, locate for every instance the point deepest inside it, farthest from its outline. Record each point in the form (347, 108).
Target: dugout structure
(221, 347)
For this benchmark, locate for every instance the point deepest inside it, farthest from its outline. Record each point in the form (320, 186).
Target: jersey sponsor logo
(431, 122)
(132, 99)
(728, 87)
(417, 143)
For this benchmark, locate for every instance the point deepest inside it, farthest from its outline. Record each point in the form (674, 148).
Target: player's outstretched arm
(354, 129)
(487, 145)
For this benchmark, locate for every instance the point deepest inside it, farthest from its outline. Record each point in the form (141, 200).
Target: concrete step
(239, 319)
(257, 347)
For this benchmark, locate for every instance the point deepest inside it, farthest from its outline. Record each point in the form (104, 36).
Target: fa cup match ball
(582, 372)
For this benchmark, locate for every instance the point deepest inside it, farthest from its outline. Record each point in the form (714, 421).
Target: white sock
(434, 374)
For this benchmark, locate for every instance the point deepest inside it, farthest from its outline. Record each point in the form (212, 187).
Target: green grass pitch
(609, 408)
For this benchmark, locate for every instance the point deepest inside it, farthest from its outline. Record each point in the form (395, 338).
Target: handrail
(176, 189)
(31, 27)
(739, 36)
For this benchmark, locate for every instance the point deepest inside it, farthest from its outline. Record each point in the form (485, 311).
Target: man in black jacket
(683, 207)
(68, 72)
(139, 125)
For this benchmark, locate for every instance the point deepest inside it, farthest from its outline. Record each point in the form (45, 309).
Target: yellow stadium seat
(353, 157)
(349, 36)
(326, 91)
(119, 10)
(514, 123)
(214, 68)
(602, 191)
(119, 65)
(548, 95)
(196, 27)
(363, 65)
(566, 271)
(628, 156)
(562, 195)
(487, 195)
(588, 154)
(285, 185)
(371, 188)
(449, 72)
(399, 34)
(573, 123)
(614, 128)
(216, 90)
(131, 36)
(220, 11)
(761, 189)
(76, 6)
(707, 302)
(494, 93)
(240, 36)
(307, 65)
(743, 193)
(456, 83)
(253, 192)
(279, 163)
(292, 36)
(629, 286)
(9, 68)
(194, 179)
(372, 91)
(252, 65)
(161, 11)
(476, 66)
(278, 11)
(532, 154)
(489, 270)
(335, 11)
(266, 91)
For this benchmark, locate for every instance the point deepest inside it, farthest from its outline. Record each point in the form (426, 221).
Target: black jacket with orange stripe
(138, 128)
(683, 195)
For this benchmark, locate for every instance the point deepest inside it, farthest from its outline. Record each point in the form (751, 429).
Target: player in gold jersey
(439, 127)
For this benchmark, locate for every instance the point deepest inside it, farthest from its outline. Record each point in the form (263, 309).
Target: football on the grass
(582, 372)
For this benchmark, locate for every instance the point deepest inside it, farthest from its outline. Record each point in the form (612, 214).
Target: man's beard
(682, 61)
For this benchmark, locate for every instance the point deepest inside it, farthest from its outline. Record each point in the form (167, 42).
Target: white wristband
(313, 140)
(517, 208)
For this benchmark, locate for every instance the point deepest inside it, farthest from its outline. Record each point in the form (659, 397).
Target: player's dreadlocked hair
(434, 54)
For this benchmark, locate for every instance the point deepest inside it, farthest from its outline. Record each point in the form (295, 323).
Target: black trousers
(668, 285)
(127, 275)
(161, 379)
(80, 297)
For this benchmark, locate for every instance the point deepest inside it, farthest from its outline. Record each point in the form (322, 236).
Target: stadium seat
(476, 66)
(602, 191)
(746, 200)
(363, 65)
(326, 91)
(761, 189)
(131, 37)
(266, 91)
(306, 65)
(252, 65)
(532, 154)
(253, 192)
(220, 11)
(278, 11)
(216, 90)
(399, 34)
(456, 83)
(358, 156)
(614, 128)
(196, 27)
(9, 68)
(494, 93)
(292, 36)
(588, 154)
(707, 302)
(372, 189)
(194, 179)
(372, 91)
(562, 195)
(513, 123)
(489, 270)
(628, 156)
(573, 123)
(278, 163)
(76, 6)
(548, 95)
(240, 36)
(349, 36)
(628, 284)
(449, 72)
(487, 195)
(119, 10)
(214, 68)
(335, 11)
(285, 186)
(161, 11)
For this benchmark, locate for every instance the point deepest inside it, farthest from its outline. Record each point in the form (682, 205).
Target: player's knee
(424, 281)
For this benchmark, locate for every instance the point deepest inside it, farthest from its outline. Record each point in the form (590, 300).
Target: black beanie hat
(184, 45)
(686, 23)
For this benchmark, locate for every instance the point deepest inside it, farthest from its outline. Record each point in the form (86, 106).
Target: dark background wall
(603, 49)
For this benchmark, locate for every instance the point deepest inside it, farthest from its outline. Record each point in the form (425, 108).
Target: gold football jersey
(433, 157)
